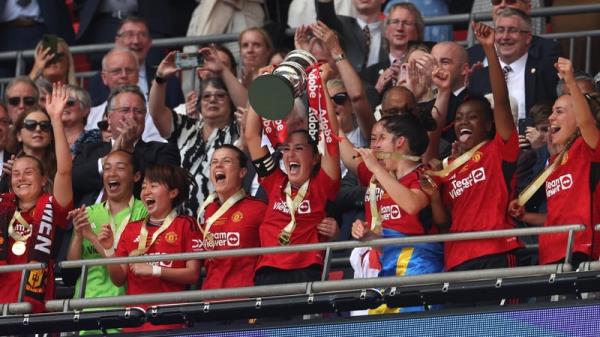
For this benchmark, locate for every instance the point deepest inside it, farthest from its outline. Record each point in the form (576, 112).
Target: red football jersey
(569, 198)
(235, 229)
(9, 284)
(308, 215)
(478, 194)
(596, 214)
(392, 216)
(177, 238)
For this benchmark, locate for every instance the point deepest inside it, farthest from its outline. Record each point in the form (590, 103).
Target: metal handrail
(326, 245)
(302, 287)
(20, 267)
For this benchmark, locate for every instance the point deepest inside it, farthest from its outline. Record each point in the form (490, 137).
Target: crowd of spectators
(417, 135)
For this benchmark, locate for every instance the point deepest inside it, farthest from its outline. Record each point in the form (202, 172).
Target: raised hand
(301, 38)
(328, 36)
(212, 62)
(388, 75)
(368, 156)
(167, 66)
(55, 102)
(127, 135)
(441, 78)
(81, 223)
(484, 34)
(191, 104)
(42, 58)
(476, 66)
(7, 166)
(565, 69)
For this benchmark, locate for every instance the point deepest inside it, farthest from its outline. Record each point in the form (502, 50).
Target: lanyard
(232, 200)
(535, 185)
(458, 162)
(142, 249)
(375, 215)
(286, 232)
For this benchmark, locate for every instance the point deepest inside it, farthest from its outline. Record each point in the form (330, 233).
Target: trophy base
(271, 96)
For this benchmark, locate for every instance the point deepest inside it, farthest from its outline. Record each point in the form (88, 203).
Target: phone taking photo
(188, 60)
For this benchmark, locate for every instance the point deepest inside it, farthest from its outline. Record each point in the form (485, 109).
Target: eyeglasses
(119, 71)
(131, 34)
(340, 98)
(219, 96)
(32, 125)
(508, 2)
(510, 30)
(125, 110)
(398, 22)
(16, 101)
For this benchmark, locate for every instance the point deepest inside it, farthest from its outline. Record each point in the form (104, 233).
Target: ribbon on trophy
(319, 124)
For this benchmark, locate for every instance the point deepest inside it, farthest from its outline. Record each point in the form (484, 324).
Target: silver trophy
(272, 95)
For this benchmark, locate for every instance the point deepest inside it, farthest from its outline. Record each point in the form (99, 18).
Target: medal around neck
(284, 238)
(19, 248)
(272, 95)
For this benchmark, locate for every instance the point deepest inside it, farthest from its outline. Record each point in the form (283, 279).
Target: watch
(159, 79)
(339, 58)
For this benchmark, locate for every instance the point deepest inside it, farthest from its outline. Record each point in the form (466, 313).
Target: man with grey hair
(126, 113)
(119, 68)
(530, 77)
(539, 45)
(20, 93)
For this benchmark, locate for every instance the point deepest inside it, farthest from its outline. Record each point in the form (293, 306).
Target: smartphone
(188, 60)
(51, 41)
(524, 123)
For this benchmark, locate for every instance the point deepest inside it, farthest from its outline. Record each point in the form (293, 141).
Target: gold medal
(209, 241)
(19, 248)
(284, 238)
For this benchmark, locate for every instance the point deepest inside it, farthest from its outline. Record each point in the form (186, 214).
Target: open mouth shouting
(294, 168)
(464, 135)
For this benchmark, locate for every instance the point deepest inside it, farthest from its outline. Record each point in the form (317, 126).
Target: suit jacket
(87, 181)
(5, 180)
(540, 80)
(56, 18)
(351, 36)
(99, 92)
(540, 46)
(155, 12)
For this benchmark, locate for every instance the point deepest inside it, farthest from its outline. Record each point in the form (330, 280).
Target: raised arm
(503, 118)
(326, 14)
(330, 162)
(160, 113)
(352, 82)
(583, 114)
(212, 63)
(441, 79)
(63, 185)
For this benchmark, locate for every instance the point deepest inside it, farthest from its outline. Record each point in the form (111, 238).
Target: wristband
(159, 79)
(109, 252)
(156, 271)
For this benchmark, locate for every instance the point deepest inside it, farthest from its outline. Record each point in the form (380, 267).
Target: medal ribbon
(535, 185)
(232, 200)
(375, 215)
(292, 206)
(122, 224)
(142, 249)
(11, 229)
(458, 162)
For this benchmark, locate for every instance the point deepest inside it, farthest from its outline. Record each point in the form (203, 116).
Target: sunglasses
(340, 98)
(31, 125)
(27, 100)
(508, 2)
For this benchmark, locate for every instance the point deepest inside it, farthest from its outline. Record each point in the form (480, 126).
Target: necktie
(367, 36)
(506, 70)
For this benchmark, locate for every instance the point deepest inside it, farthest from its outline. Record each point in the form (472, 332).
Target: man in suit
(22, 24)
(539, 45)
(530, 77)
(452, 57)
(354, 32)
(126, 114)
(4, 154)
(133, 34)
(403, 24)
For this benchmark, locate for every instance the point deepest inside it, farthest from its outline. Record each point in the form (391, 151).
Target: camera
(188, 60)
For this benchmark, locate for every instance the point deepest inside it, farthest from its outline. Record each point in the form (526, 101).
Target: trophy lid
(271, 96)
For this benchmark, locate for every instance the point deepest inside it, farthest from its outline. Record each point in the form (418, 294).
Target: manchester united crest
(171, 237)
(237, 216)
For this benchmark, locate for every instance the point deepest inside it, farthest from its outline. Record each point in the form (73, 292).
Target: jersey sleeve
(270, 181)
(123, 248)
(509, 149)
(60, 213)
(327, 185)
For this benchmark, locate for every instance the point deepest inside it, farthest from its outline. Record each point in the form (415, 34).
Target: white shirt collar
(373, 26)
(518, 65)
(458, 91)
